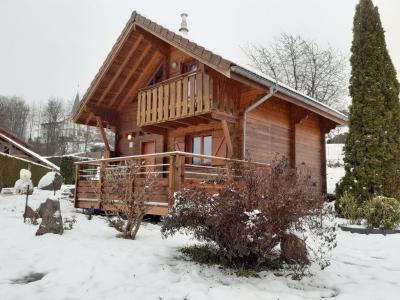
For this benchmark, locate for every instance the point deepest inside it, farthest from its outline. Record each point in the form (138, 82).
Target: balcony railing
(184, 96)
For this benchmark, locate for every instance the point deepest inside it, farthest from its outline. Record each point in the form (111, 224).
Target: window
(158, 76)
(190, 67)
(202, 145)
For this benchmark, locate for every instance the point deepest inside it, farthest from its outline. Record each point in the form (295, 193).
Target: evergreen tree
(372, 150)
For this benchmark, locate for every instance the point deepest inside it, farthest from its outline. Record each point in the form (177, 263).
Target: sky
(54, 48)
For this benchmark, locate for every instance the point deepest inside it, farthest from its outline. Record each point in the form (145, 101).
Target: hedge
(67, 169)
(10, 167)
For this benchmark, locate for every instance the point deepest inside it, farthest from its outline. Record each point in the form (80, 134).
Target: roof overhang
(291, 95)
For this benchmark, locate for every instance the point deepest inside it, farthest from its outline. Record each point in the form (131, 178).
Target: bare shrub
(250, 217)
(124, 196)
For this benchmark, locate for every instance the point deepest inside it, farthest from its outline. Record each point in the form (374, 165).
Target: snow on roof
(30, 152)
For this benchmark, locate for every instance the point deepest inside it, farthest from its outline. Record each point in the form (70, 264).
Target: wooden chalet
(186, 111)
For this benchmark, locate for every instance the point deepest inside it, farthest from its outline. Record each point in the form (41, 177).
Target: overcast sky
(49, 47)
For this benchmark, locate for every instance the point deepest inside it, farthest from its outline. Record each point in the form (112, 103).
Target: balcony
(178, 101)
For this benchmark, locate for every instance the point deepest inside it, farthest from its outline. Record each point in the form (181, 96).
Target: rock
(50, 213)
(330, 197)
(30, 214)
(51, 181)
(294, 249)
(25, 183)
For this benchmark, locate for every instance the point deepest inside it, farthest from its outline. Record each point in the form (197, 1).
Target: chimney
(184, 30)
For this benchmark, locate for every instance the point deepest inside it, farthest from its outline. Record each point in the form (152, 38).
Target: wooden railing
(173, 170)
(179, 97)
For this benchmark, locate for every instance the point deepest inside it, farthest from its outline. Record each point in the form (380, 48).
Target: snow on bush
(382, 212)
(248, 219)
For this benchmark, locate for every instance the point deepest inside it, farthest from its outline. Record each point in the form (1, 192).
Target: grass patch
(209, 255)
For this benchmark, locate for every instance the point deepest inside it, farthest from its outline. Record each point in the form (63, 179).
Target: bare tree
(124, 196)
(304, 66)
(53, 113)
(13, 115)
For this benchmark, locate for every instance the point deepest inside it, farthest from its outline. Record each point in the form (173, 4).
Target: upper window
(190, 67)
(202, 145)
(158, 76)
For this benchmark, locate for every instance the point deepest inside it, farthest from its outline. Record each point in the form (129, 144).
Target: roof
(211, 59)
(22, 146)
(14, 137)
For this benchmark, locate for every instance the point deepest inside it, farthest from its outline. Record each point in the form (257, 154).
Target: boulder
(50, 213)
(24, 184)
(293, 249)
(51, 181)
(30, 214)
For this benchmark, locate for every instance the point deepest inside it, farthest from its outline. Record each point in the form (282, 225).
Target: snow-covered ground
(90, 262)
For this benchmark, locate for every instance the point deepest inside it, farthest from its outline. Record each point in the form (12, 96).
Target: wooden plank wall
(308, 147)
(268, 131)
(127, 125)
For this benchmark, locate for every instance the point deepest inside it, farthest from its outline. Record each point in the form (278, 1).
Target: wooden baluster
(143, 108)
(154, 108)
(199, 92)
(178, 98)
(192, 95)
(172, 100)
(160, 103)
(185, 97)
(148, 107)
(139, 103)
(206, 92)
(166, 102)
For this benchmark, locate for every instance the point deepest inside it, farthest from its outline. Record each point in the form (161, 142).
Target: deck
(172, 171)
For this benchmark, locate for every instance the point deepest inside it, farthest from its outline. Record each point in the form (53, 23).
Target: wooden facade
(161, 93)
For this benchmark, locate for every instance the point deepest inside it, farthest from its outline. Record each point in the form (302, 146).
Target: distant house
(71, 137)
(14, 146)
(187, 110)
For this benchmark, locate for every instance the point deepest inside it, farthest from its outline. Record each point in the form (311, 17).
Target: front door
(149, 148)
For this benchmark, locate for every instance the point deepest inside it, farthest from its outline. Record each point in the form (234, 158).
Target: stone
(293, 249)
(51, 181)
(30, 214)
(50, 213)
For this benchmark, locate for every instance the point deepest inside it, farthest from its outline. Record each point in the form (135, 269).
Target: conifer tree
(372, 150)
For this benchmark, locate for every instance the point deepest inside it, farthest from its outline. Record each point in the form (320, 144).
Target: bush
(350, 208)
(67, 169)
(382, 212)
(248, 219)
(10, 167)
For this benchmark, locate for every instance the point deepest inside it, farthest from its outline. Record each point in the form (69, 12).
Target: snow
(90, 262)
(46, 180)
(24, 182)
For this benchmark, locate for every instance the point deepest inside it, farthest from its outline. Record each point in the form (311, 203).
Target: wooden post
(171, 179)
(228, 139)
(101, 182)
(26, 201)
(323, 130)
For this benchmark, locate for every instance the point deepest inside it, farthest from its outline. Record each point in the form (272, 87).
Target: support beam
(103, 133)
(142, 80)
(121, 68)
(106, 114)
(228, 139)
(131, 72)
